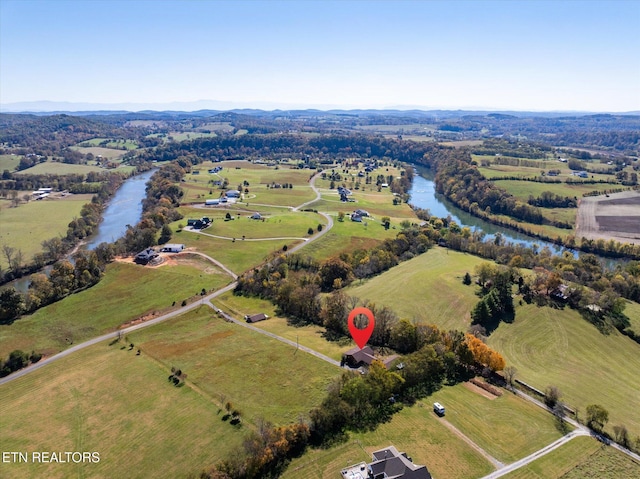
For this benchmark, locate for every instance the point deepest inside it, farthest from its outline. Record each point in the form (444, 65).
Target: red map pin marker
(361, 336)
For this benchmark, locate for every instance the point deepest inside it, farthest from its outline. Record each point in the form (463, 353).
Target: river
(124, 208)
(423, 194)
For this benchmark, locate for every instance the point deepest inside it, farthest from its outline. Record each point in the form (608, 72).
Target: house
(356, 217)
(256, 216)
(145, 256)
(362, 213)
(199, 224)
(561, 293)
(357, 357)
(581, 174)
(172, 248)
(387, 463)
(232, 194)
(254, 318)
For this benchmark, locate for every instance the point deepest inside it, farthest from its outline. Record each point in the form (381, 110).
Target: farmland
(24, 228)
(142, 430)
(107, 305)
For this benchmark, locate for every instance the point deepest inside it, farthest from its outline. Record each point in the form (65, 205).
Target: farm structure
(254, 318)
(388, 463)
(172, 248)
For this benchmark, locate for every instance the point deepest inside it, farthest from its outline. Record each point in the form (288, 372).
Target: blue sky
(534, 55)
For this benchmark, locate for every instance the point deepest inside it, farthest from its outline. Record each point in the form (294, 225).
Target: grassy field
(111, 143)
(27, 226)
(260, 376)
(283, 223)
(107, 305)
(9, 162)
(428, 288)
(188, 135)
(108, 400)
(414, 430)
(507, 427)
(558, 347)
(310, 336)
(582, 457)
(55, 168)
(109, 153)
(522, 189)
(238, 256)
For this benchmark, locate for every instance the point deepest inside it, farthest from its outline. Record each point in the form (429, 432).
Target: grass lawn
(260, 376)
(414, 430)
(309, 335)
(428, 288)
(109, 153)
(9, 162)
(559, 348)
(238, 256)
(107, 305)
(522, 189)
(109, 400)
(55, 168)
(582, 457)
(27, 226)
(507, 427)
(276, 224)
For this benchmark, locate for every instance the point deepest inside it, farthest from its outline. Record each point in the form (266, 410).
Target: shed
(212, 202)
(256, 216)
(254, 318)
(172, 248)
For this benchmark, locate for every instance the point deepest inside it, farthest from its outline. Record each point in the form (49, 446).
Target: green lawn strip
(55, 168)
(111, 401)
(310, 336)
(126, 292)
(507, 427)
(260, 376)
(522, 189)
(27, 226)
(632, 311)
(414, 430)
(558, 347)
(237, 256)
(109, 153)
(427, 288)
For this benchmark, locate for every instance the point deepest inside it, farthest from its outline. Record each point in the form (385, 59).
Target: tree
(332, 269)
(597, 417)
(621, 434)
(386, 222)
(341, 216)
(510, 373)
(11, 305)
(551, 396)
(165, 234)
(310, 231)
(466, 279)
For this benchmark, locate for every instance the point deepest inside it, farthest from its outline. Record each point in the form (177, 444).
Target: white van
(438, 408)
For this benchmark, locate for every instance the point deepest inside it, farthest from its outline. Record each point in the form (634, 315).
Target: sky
(501, 55)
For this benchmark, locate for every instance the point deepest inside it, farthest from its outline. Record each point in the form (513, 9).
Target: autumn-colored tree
(483, 354)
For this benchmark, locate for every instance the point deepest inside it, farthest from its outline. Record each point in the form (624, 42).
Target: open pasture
(56, 168)
(27, 226)
(188, 135)
(262, 377)
(522, 189)
(237, 255)
(114, 143)
(557, 347)
(582, 457)
(110, 303)
(107, 399)
(427, 288)
(310, 335)
(108, 153)
(415, 430)
(507, 427)
(9, 162)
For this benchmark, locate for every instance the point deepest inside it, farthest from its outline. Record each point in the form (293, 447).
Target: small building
(385, 185)
(357, 357)
(254, 318)
(362, 213)
(232, 194)
(212, 202)
(256, 216)
(172, 248)
(356, 217)
(145, 256)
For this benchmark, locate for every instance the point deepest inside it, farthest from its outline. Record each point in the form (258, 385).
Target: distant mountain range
(208, 107)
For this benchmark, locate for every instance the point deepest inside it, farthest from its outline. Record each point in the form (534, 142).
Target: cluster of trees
(548, 199)
(496, 302)
(17, 360)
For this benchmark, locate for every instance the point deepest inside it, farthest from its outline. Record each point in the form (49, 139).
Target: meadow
(557, 347)
(9, 162)
(126, 292)
(109, 153)
(26, 226)
(580, 458)
(261, 376)
(56, 168)
(107, 399)
(507, 427)
(427, 288)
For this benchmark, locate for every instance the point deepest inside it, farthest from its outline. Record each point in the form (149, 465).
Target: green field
(261, 376)
(309, 335)
(283, 223)
(522, 189)
(111, 143)
(109, 153)
(558, 347)
(427, 288)
(108, 400)
(27, 226)
(9, 162)
(188, 135)
(507, 427)
(582, 457)
(414, 430)
(126, 292)
(55, 168)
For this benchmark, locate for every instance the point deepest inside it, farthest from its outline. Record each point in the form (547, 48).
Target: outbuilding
(254, 318)
(232, 194)
(172, 248)
(212, 202)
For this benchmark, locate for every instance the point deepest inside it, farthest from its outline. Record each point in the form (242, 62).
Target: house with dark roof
(356, 358)
(145, 256)
(387, 463)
